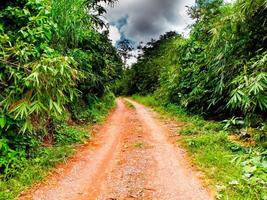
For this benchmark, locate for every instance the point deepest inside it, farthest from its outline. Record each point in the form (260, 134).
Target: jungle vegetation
(218, 71)
(58, 70)
(215, 79)
(57, 66)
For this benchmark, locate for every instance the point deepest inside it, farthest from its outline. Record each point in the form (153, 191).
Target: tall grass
(67, 139)
(72, 20)
(234, 171)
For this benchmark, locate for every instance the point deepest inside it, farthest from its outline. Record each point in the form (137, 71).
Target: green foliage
(10, 160)
(40, 92)
(72, 21)
(30, 69)
(37, 80)
(219, 71)
(234, 122)
(236, 171)
(250, 92)
(55, 67)
(33, 170)
(144, 76)
(99, 62)
(70, 135)
(166, 109)
(147, 100)
(254, 169)
(95, 110)
(28, 161)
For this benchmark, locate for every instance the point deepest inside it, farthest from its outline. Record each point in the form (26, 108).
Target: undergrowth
(27, 172)
(57, 65)
(23, 166)
(235, 171)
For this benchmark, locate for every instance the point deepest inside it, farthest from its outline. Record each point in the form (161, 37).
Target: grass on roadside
(129, 104)
(67, 137)
(235, 172)
(33, 170)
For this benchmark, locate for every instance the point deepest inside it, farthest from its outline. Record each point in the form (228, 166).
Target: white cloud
(133, 59)
(114, 34)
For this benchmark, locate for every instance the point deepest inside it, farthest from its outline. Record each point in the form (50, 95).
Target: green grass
(45, 158)
(213, 154)
(66, 140)
(224, 162)
(34, 170)
(168, 110)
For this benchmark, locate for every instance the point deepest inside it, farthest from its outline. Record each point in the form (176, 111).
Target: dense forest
(59, 72)
(219, 71)
(56, 69)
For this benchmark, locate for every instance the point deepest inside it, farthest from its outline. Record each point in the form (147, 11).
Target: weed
(129, 105)
(139, 144)
(147, 100)
(236, 172)
(20, 168)
(71, 135)
(33, 170)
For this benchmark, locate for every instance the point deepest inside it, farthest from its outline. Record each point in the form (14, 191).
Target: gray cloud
(148, 19)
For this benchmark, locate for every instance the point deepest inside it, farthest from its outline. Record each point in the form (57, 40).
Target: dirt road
(130, 157)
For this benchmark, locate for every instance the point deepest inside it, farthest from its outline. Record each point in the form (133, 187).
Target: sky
(141, 20)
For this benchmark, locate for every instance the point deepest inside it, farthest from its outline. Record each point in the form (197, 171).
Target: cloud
(121, 22)
(141, 20)
(133, 59)
(114, 34)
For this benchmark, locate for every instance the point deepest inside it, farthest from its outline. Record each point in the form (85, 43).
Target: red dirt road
(130, 157)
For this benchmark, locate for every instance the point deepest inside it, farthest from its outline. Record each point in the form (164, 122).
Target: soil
(133, 156)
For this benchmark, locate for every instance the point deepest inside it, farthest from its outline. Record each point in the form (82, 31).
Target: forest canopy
(55, 65)
(218, 71)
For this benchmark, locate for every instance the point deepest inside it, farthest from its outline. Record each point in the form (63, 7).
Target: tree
(203, 9)
(125, 47)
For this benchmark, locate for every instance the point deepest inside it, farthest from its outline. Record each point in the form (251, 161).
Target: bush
(218, 72)
(55, 66)
(70, 135)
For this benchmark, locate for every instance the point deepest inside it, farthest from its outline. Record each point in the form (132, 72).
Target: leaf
(2, 121)
(57, 107)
